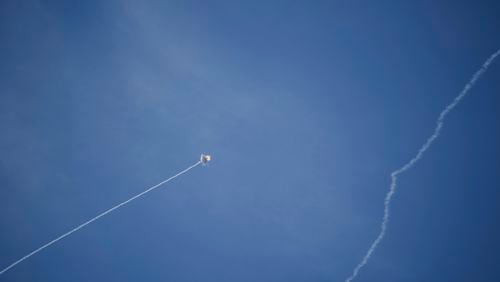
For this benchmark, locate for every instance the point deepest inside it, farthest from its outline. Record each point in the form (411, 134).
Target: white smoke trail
(97, 217)
(414, 160)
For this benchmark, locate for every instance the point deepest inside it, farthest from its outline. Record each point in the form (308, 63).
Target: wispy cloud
(414, 160)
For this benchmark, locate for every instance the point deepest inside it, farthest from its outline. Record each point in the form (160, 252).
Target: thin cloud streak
(97, 217)
(414, 160)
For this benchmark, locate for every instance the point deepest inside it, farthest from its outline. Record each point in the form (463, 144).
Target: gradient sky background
(306, 106)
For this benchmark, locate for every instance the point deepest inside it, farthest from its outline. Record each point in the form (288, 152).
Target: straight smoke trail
(97, 217)
(414, 160)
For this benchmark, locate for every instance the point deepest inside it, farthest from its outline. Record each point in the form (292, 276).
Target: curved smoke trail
(97, 217)
(414, 160)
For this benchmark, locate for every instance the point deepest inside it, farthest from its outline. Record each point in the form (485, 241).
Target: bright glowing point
(204, 159)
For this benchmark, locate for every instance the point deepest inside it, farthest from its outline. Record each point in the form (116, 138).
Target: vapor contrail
(414, 160)
(97, 217)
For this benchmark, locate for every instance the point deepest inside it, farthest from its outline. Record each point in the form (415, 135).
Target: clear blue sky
(306, 106)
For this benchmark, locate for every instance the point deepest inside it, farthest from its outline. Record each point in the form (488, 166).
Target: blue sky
(306, 106)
